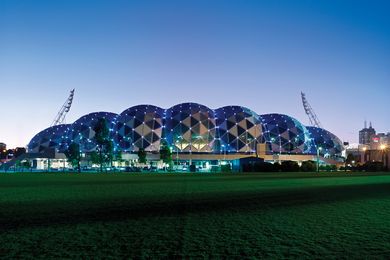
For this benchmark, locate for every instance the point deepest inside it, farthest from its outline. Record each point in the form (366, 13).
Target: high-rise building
(366, 134)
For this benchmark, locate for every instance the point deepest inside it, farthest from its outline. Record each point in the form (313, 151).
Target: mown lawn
(289, 215)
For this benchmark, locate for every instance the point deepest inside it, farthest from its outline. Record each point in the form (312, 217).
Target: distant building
(3, 151)
(366, 134)
(373, 147)
(3, 146)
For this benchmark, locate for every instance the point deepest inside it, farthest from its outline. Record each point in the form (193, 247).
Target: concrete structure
(45, 160)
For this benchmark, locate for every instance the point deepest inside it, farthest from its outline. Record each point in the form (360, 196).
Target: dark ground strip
(25, 215)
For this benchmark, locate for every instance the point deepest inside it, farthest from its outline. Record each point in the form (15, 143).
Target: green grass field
(289, 215)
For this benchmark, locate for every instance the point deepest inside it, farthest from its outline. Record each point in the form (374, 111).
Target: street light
(170, 158)
(177, 157)
(256, 142)
(364, 155)
(383, 147)
(318, 158)
(272, 141)
(224, 152)
(280, 148)
(177, 149)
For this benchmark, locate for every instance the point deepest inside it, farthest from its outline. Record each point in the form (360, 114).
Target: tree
(18, 151)
(166, 154)
(350, 158)
(74, 156)
(117, 157)
(3, 154)
(104, 144)
(141, 155)
(95, 157)
(348, 161)
(109, 148)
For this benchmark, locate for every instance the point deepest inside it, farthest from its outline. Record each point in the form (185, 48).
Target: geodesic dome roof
(190, 127)
(139, 127)
(51, 138)
(238, 129)
(285, 134)
(330, 144)
(82, 132)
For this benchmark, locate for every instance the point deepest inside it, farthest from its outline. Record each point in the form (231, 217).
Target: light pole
(280, 145)
(177, 149)
(190, 154)
(383, 148)
(224, 152)
(318, 158)
(255, 143)
(363, 160)
(177, 158)
(197, 145)
(170, 158)
(272, 141)
(280, 148)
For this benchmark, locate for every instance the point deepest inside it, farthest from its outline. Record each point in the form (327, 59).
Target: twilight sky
(258, 54)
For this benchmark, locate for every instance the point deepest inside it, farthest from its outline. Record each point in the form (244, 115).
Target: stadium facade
(196, 132)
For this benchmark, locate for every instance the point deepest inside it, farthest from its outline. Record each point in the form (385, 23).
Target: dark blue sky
(258, 54)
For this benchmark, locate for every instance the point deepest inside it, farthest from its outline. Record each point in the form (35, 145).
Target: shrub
(289, 166)
(226, 168)
(192, 168)
(308, 166)
(373, 166)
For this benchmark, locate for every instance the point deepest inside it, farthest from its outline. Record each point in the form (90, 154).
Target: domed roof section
(329, 145)
(139, 127)
(51, 138)
(236, 111)
(188, 108)
(82, 130)
(142, 109)
(239, 129)
(190, 127)
(93, 117)
(285, 134)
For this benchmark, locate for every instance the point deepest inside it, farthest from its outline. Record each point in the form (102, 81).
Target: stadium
(196, 134)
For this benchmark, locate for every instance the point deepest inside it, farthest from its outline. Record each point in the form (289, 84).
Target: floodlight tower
(314, 121)
(60, 118)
